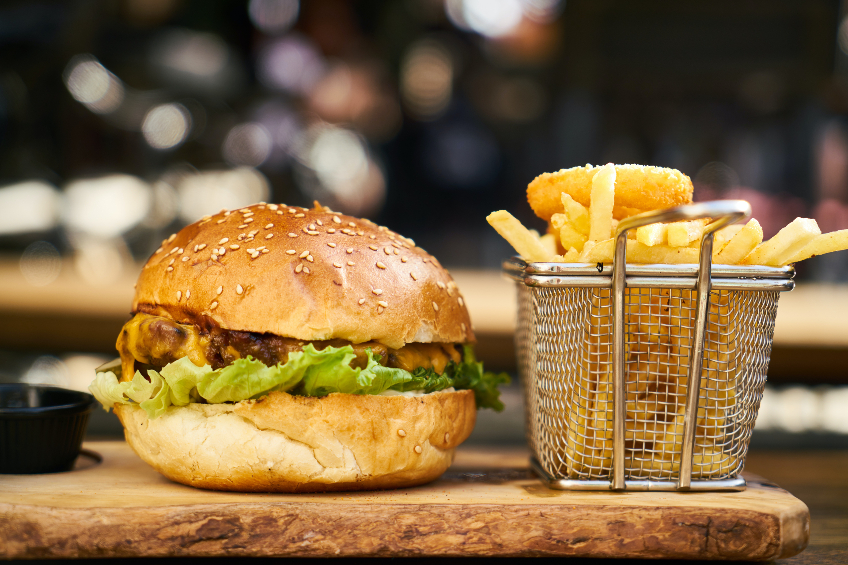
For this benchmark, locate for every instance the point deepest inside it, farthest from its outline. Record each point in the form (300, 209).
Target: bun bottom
(285, 443)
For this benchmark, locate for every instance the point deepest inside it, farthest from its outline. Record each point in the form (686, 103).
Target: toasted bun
(285, 443)
(638, 189)
(306, 274)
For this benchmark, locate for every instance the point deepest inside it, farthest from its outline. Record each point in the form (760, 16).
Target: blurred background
(122, 121)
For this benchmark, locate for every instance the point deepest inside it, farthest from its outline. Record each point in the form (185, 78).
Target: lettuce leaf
(309, 372)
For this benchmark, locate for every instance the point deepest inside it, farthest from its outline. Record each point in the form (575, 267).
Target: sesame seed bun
(285, 443)
(308, 274)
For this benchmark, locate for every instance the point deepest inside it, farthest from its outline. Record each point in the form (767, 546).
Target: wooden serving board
(487, 504)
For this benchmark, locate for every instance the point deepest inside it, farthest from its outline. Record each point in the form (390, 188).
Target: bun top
(306, 274)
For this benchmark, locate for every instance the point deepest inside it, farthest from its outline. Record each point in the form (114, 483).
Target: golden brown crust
(302, 273)
(638, 189)
(285, 443)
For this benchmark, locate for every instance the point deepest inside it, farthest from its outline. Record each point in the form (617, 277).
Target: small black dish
(41, 427)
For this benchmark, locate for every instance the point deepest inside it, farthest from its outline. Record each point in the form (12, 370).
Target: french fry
(569, 236)
(652, 234)
(522, 240)
(780, 249)
(603, 252)
(602, 200)
(741, 244)
(549, 240)
(572, 256)
(821, 244)
(577, 214)
(723, 236)
(680, 234)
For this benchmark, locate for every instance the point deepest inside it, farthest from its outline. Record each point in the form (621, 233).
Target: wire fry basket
(648, 378)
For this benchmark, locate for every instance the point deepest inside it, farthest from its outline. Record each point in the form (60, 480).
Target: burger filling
(166, 363)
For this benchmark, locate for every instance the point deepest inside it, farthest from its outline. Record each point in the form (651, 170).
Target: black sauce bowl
(41, 427)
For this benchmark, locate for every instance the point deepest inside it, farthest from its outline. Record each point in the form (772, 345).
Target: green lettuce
(309, 372)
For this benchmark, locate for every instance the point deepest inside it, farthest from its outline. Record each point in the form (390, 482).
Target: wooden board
(487, 504)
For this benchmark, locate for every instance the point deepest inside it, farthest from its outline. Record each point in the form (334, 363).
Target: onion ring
(638, 189)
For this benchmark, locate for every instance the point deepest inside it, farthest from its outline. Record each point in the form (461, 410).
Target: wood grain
(488, 504)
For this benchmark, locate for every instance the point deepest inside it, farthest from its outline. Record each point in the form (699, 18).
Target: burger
(278, 348)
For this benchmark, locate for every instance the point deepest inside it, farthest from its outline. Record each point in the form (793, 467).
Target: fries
(522, 240)
(602, 199)
(824, 243)
(584, 233)
(741, 244)
(780, 249)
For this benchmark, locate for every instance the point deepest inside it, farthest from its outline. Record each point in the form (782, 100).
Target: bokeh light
(91, 84)
(98, 260)
(208, 192)
(273, 16)
(492, 18)
(41, 263)
(31, 206)
(106, 206)
(291, 63)
(193, 53)
(426, 81)
(166, 126)
(247, 144)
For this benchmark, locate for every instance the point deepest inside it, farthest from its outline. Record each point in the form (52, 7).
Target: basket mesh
(564, 345)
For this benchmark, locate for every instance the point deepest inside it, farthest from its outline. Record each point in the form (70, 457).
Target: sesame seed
(383, 303)
(377, 291)
(292, 235)
(226, 212)
(299, 268)
(304, 254)
(312, 232)
(254, 255)
(158, 250)
(280, 212)
(269, 226)
(310, 259)
(272, 206)
(403, 259)
(251, 251)
(172, 261)
(196, 248)
(269, 236)
(185, 258)
(351, 224)
(461, 301)
(213, 305)
(373, 236)
(248, 220)
(447, 436)
(292, 210)
(380, 265)
(361, 301)
(414, 276)
(372, 247)
(234, 247)
(291, 251)
(299, 215)
(180, 251)
(401, 433)
(223, 240)
(222, 220)
(239, 289)
(266, 251)
(441, 285)
(337, 265)
(387, 250)
(418, 449)
(331, 244)
(260, 248)
(219, 290)
(349, 250)
(251, 233)
(345, 230)
(171, 237)
(435, 307)
(214, 257)
(188, 294)
(331, 230)
(426, 260)
(380, 309)
(241, 227)
(179, 295)
(241, 236)
(206, 218)
(350, 263)
(319, 222)
(174, 250)
(248, 215)
(462, 325)
(394, 244)
(312, 227)
(336, 219)
(305, 229)
(306, 270)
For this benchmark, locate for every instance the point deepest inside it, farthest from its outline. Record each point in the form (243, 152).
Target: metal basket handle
(723, 213)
